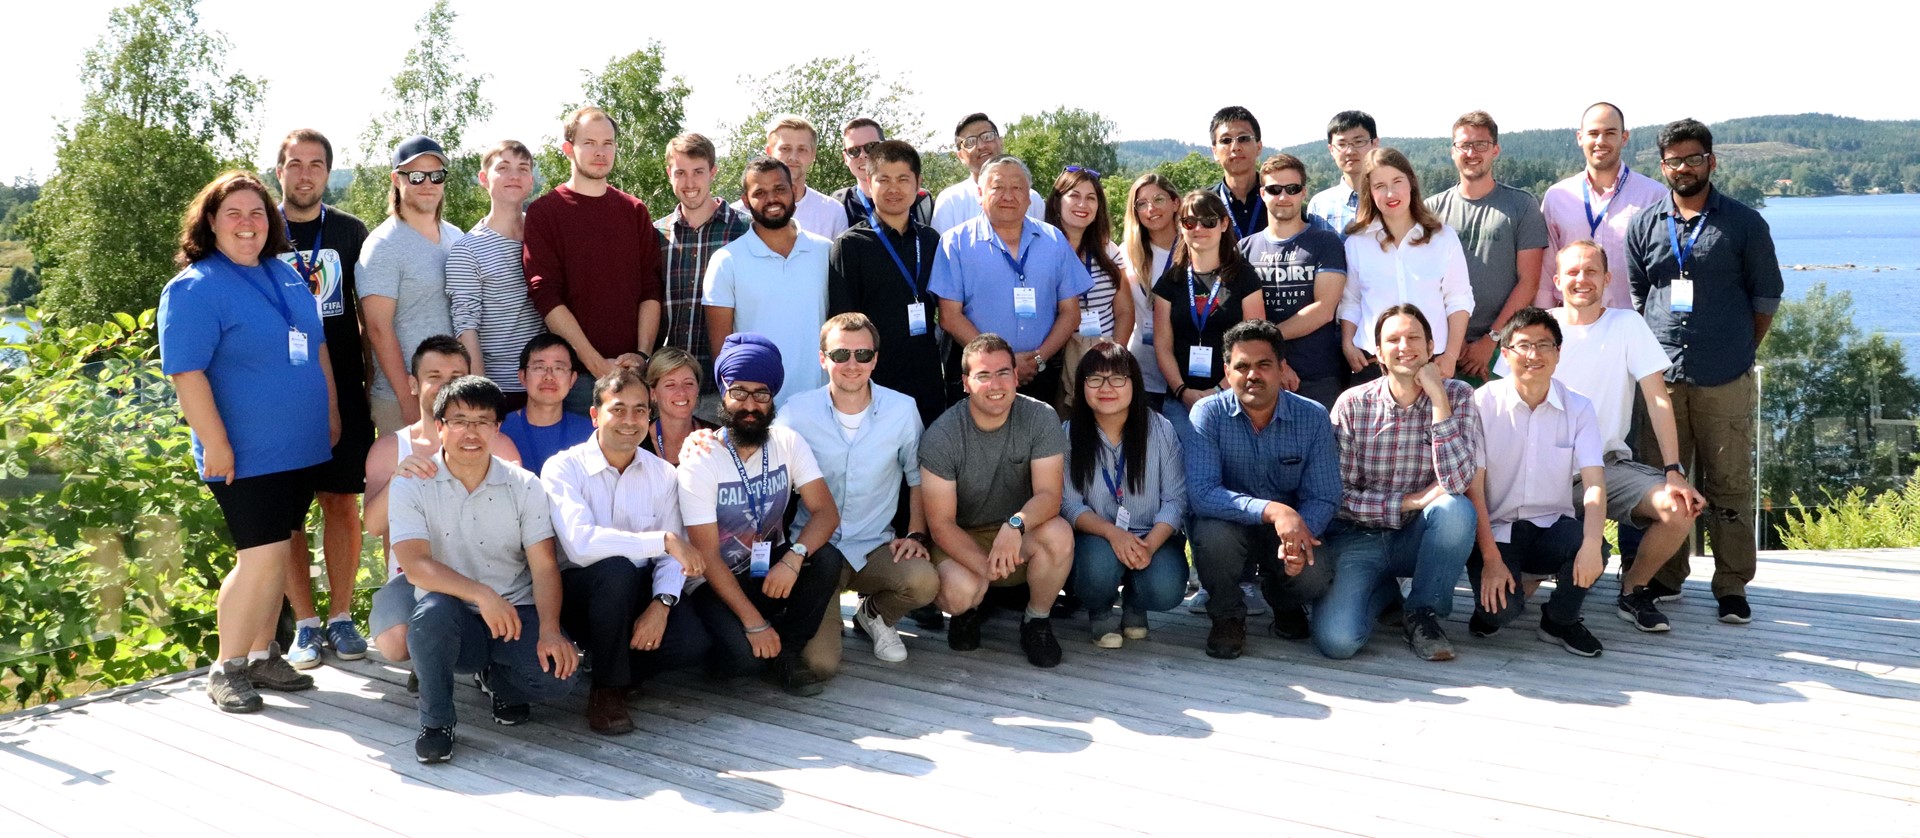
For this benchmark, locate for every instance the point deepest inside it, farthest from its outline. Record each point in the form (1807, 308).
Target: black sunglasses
(417, 178)
(1283, 188)
(1207, 221)
(840, 356)
(860, 150)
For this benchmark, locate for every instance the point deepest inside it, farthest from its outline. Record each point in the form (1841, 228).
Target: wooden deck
(1806, 722)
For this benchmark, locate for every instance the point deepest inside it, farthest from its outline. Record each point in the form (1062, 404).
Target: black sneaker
(413, 683)
(791, 674)
(1662, 593)
(963, 632)
(928, 617)
(229, 689)
(1572, 637)
(503, 712)
(1228, 638)
(434, 745)
(1480, 625)
(1424, 636)
(1733, 609)
(1638, 608)
(1037, 640)
(1291, 624)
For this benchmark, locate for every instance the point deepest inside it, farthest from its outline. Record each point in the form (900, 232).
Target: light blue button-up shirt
(864, 472)
(972, 268)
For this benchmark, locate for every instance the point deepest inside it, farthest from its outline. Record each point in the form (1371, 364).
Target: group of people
(674, 444)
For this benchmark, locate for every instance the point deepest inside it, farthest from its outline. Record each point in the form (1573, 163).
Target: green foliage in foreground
(1851, 521)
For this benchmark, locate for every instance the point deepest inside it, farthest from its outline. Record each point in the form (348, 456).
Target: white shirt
(1605, 361)
(1140, 343)
(815, 212)
(1432, 276)
(1532, 453)
(711, 492)
(781, 297)
(960, 203)
(600, 513)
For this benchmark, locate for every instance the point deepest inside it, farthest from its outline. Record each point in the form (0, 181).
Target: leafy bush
(1890, 520)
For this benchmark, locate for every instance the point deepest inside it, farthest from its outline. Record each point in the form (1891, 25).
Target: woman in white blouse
(1399, 252)
(1152, 203)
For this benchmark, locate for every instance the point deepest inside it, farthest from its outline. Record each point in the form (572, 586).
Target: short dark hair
(863, 122)
(894, 151)
(1407, 309)
(1232, 113)
(439, 345)
(617, 379)
(1529, 317)
(196, 223)
(970, 119)
(1252, 331)
(1281, 162)
(473, 391)
(1345, 121)
(1479, 119)
(546, 340)
(303, 135)
(982, 344)
(1682, 130)
(505, 147)
(759, 164)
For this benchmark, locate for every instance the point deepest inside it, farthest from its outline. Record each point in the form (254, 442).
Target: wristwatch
(668, 600)
(1676, 468)
(798, 549)
(1018, 522)
(921, 537)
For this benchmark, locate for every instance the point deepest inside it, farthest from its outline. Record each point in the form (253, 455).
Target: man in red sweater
(592, 259)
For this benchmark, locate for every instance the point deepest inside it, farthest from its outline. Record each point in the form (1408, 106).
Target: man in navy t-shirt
(1302, 266)
(542, 429)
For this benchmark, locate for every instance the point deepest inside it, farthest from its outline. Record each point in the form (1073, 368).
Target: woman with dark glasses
(1209, 288)
(1078, 206)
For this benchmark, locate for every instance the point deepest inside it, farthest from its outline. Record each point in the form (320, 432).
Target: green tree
(649, 106)
(826, 92)
(160, 118)
(1194, 171)
(432, 95)
(1050, 142)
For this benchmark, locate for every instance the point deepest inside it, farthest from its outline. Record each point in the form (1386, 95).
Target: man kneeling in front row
(476, 541)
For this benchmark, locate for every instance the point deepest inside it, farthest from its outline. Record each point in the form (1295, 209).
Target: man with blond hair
(793, 141)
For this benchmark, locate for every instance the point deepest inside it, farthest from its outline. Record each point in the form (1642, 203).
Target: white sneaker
(887, 645)
(1256, 604)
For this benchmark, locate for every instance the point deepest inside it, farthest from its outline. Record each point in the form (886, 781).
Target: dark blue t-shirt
(537, 443)
(1287, 270)
(216, 317)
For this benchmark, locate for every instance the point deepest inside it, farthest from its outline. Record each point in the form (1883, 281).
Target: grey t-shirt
(1493, 231)
(397, 262)
(993, 470)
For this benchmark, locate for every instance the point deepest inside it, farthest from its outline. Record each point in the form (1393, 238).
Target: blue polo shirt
(973, 268)
(864, 472)
(1735, 276)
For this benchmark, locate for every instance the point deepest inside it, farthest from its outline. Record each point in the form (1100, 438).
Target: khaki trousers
(1716, 446)
(893, 587)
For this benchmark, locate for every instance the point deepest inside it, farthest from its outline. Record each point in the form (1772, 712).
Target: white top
(1533, 452)
(960, 203)
(815, 212)
(1432, 276)
(1605, 362)
(1140, 343)
(781, 297)
(600, 513)
(711, 492)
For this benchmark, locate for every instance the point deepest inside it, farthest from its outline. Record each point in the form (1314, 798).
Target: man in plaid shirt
(697, 229)
(1410, 443)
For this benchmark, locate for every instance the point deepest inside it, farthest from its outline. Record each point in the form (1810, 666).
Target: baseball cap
(413, 147)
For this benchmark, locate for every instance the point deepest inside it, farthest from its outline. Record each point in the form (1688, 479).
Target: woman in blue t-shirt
(240, 337)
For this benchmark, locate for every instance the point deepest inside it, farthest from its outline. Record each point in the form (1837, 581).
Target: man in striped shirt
(486, 285)
(1410, 443)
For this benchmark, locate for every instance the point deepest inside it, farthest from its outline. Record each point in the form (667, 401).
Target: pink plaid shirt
(1388, 451)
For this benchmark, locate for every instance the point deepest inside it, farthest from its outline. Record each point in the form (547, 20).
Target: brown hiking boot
(607, 711)
(1228, 638)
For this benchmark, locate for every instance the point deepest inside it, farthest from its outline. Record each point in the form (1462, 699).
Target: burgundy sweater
(599, 257)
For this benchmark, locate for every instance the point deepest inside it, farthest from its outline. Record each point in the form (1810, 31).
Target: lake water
(1869, 231)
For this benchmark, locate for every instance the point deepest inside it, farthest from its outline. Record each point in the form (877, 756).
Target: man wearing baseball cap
(402, 276)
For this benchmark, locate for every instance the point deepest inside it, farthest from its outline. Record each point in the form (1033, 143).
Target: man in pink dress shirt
(1596, 203)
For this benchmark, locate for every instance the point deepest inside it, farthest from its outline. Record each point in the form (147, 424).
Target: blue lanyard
(1586, 197)
(1193, 308)
(1680, 253)
(1019, 267)
(269, 292)
(1116, 480)
(307, 272)
(1233, 209)
(1088, 261)
(659, 440)
(879, 229)
(755, 507)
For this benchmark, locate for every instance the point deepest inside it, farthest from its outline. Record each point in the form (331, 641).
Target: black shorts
(346, 472)
(266, 508)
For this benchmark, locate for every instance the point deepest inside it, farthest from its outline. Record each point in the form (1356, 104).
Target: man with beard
(403, 275)
(1303, 271)
(697, 228)
(765, 594)
(326, 246)
(593, 259)
(1502, 232)
(1709, 297)
(772, 281)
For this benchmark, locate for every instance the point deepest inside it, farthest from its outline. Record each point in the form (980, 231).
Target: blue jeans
(447, 638)
(1181, 417)
(1536, 550)
(1098, 576)
(1431, 549)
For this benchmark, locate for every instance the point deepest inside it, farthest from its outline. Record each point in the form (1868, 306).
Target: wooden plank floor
(1806, 722)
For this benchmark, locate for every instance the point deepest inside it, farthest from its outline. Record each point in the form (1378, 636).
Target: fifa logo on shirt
(325, 283)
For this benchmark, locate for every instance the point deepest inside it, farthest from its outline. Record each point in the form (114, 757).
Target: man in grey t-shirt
(992, 470)
(1502, 231)
(402, 277)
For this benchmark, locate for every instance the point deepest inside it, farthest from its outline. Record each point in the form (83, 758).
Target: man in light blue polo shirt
(866, 439)
(1010, 275)
(773, 280)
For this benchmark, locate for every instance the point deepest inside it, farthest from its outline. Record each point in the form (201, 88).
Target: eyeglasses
(983, 377)
(1207, 221)
(465, 425)
(741, 394)
(417, 178)
(1284, 188)
(1541, 348)
(1155, 202)
(1074, 170)
(1243, 139)
(1691, 161)
(555, 370)
(1344, 145)
(840, 356)
(1476, 146)
(860, 150)
(1117, 382)
(968, 143)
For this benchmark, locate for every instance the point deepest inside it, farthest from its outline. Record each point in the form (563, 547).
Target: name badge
(296, 347)
(1681, 298)
(1146, 333)
(1123, 519)
(1089, 324)
(1200, 362)
(1025, 302)
(916, 318)
(762, 558)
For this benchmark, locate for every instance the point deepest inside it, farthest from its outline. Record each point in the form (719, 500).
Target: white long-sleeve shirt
(600, 513)
(1431, 275)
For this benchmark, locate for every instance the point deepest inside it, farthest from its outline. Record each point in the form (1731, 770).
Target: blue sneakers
(346, 641)
(305, 652)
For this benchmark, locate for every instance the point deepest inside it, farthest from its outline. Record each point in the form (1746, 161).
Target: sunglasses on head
(1283, 188)
(417, 178)
(1208, 221)
(840, 356)
(1074, 170)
